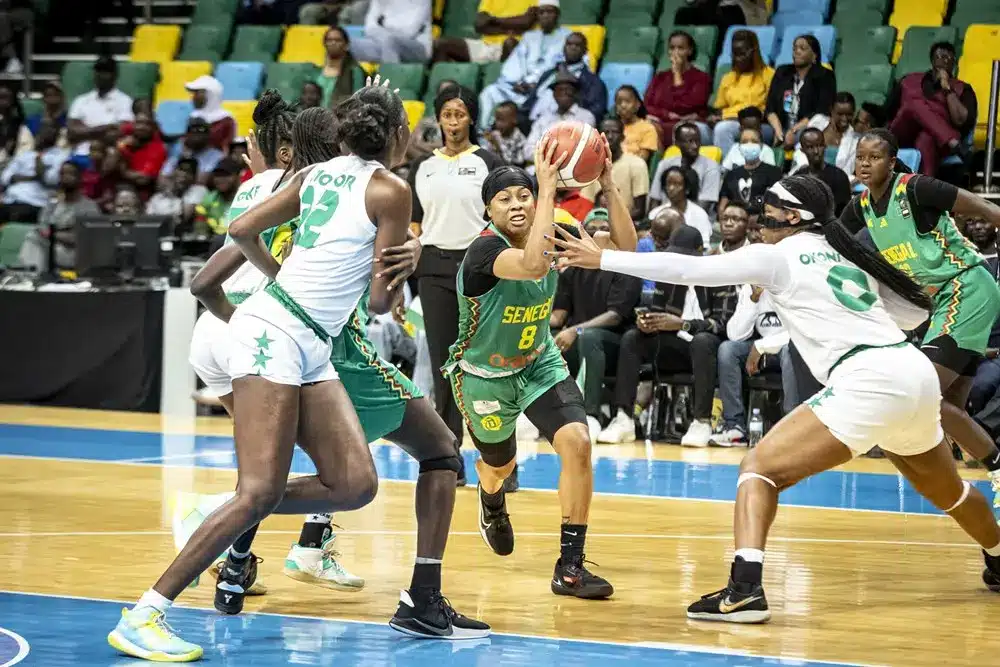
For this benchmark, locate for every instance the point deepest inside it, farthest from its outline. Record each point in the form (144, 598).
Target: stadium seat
(915, 56)
(287, 78)
(904, 20)
(414, 112)
(174, 75)
(77, 78)
(979, 74)
(205, 42)
(408, 77)
(155, 43)
(465, 74)
(847, 21)
(825, 34)
(623, 21)
(304, 44)
(872, 44)
(910, 157)
(595, 41)
(633, 41)
(876, 78)
(31, 106)
(12, 237)
(240, 81)
(648, 6)
(491, 72)
(668, 14)
(243, 113)
(581, 11)
(172, 117)
(766, 35)
(961, 20)
(614, 75)
(982, 42)
(880, 6)
(138, 80)
(711, 152)
(782, 20)
(354, 31)
(256, 43)
(208, 12)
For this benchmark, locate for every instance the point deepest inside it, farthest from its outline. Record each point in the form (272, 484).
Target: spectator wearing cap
(197, 145)
(680, 94)
(336, 80)
(206, 95)
(53, 111)
(179, 195)
(565, 89)
(538, 51)
(210, 214)
(395, 31)
(93, 114)
(628, 172)
(592, 94)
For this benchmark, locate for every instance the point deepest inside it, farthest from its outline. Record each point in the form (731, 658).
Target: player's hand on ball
(605, 177)
(547, 168)
(583, 252)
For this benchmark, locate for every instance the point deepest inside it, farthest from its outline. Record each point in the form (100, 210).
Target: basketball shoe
(573, 578)
(991, 575)
(494, 524)
(320, 567)
(433, 617)
(235, 579)
(144, 633)
(736, 603)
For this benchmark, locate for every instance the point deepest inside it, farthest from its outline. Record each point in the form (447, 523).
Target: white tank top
(331, 263)
(248, 279)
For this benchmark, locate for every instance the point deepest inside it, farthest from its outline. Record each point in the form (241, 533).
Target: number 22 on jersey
(315, 214)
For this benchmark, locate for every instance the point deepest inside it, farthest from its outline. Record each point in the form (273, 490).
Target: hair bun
(270, 104)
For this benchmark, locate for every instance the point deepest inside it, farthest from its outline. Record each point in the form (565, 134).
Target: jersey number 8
(860, 302)
(527, 337)
(315, 215)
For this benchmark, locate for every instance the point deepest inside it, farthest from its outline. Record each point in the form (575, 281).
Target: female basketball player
(505, 361)
(284, 385)
(879, 389)
(908, 218)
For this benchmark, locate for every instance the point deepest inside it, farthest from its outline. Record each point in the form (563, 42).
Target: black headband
(502, 178)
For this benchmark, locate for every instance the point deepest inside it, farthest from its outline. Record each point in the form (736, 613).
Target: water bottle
(756, 427)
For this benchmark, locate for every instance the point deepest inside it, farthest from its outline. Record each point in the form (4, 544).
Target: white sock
(427, 561)
(318, 518)
(154, 600)
(752, 555)
(995, 551)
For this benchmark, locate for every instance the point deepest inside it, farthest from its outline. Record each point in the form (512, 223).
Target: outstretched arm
(623, 236)
(971, 205)
(207, 283)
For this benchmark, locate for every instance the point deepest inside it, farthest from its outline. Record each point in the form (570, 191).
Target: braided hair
(368, 120)
(314, 137)
(274, 118)
(818, 199)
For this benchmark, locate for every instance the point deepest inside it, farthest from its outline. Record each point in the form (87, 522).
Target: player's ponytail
(274, 119)
(314, 137)
(368, 120)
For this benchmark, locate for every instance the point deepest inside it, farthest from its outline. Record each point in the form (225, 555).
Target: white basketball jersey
(331, 263)
(831, 306)
(248, 279)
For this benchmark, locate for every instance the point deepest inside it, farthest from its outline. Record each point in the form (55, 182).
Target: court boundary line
(609, 494)
(662, 646)
(23, 647)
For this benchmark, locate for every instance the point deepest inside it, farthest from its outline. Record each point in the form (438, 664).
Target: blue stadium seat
(354, 31)
(818, 6)
(172, 117)
(782, 20)
(910, 157)
(766, 35)
(826, 34)
(240, 80)
(615, 75)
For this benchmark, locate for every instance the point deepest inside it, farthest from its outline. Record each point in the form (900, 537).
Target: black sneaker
(233, 584)
(511, 485)
(434, 618)
(736, 603)
(574, 579)
(991, 575)
(494, 526)
(461, 473)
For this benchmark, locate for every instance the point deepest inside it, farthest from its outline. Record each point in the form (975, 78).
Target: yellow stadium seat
(174, 75)
(978, 74)
(435, 31)
(595, 41)
(304, 44)
(438, 9)
(369, 68)
(155, 43)
(414, 112)
(982, 42)
(908, 15)
(243, 113)
(713, 153)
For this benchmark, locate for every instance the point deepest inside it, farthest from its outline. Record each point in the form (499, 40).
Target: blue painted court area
(70, 631)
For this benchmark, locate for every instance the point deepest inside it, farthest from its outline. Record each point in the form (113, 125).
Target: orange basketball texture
(585, 152)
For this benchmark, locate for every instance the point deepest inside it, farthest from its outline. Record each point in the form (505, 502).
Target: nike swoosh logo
(441, 632)
(726, 607)
(569, 533)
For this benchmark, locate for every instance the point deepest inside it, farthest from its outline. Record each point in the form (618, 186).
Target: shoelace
(331, 554)
(437, 599)
(158, 622)
(222, 563)
(581, 564)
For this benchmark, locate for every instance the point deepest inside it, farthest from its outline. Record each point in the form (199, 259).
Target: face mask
(750, 152)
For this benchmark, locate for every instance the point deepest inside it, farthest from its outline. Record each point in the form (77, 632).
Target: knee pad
(747, 476)
(500, 454)
(966, 488)
(453, 463)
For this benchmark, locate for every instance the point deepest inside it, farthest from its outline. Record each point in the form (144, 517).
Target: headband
(502, 178)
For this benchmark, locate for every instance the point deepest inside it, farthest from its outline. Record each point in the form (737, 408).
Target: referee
(448, 215)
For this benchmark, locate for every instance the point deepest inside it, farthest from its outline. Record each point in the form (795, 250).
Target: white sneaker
(621, 429)
(320, 567)
(995, 485)
(698, 434)
(595, 428)
(525, 430)
(729, 437)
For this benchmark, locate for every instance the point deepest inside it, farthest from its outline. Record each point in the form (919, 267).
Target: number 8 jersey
(331, 262)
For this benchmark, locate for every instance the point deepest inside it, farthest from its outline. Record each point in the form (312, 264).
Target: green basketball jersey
(931, 259)
(505, 329)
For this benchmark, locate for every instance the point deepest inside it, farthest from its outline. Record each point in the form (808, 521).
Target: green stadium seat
(256, 43)
(407, 77)
(491, 72)
(466, 74)
(626, 20)
(648, 6)
(138, 80)
(581, 12)
(77, 79)
(876, 78)
(853, 20)
(917, 46)
(872, 44)
(880, 6)
(32, 106)
(205, 42)
(210, 12)
(12, 237)
(630, 56)
(706, 38)
(460, 18)
(288, 78)
(961, 22)
(637, 39)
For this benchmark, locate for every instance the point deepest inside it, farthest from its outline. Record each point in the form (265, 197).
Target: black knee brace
(497, 454)
(452, 463)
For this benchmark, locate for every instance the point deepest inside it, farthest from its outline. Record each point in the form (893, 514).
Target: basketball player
(285, 388)
(879, 388)
(505, 361)
(908, 218)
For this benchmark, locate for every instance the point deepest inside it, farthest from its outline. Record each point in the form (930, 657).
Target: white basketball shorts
(887, 396)
(209, 355)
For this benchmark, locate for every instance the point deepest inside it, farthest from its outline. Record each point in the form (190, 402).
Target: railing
(28, 58)
(991, 129)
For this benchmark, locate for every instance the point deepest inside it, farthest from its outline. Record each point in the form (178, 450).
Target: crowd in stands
(691, 154)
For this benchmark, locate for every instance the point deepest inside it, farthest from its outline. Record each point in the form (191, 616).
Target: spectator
(100, 174)
(395, 31)
(933, 111)
(986, 381)
(334, 12)
(506, 138)
(748, 183)
(745, 85)
(654, 236)
(197, 145)
(734, 223)
(127, 202)
(813, 146)
(238, 152)
(13, 132)
(59, 216)
(339, 72)
(210, 215)
(499, 22)
(591, 311)
(592, 94)
(260, 12)
(677, 334)
(839, 133)
(206, 95)
(688, 140)
(179, 194)
(311, 96)
(869, 117)
(565, 90)
(680, 94)
(750, 118)
(640, 135)
(426, 136)
(680, 185)
(142, 154)
(724, 14)
(53, 111)
(92, 115)
(539, 51)
(629, 172)
(799, 92)
(30, 178)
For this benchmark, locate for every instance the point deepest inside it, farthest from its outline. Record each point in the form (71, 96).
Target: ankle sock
(992, 462)
(152, 599)
(571, 540)
(493, 500)
(426, 575)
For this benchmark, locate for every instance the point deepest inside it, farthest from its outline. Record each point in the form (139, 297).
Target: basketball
(585, 152)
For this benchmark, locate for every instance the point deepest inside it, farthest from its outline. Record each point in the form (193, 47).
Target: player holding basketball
(505, 361)
(908, 218)
(879, 388)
